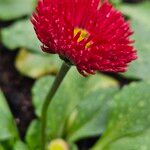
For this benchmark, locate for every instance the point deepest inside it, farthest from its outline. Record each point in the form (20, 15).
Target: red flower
(87, 33)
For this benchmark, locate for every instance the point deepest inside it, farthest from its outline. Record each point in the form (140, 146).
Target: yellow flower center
(58, 144)
(84, 34)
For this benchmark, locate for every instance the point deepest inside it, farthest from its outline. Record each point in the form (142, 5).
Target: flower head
(89, 34)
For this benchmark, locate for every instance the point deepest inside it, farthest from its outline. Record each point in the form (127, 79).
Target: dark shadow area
(17, 90)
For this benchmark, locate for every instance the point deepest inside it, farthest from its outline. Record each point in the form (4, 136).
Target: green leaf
(36, 65)
(20, 146)
(73, 147)
(33, 135)
(21, 35)
(12, 9)
(90, 116)
(139, 15)
(116, 3)
(130, 114)
(8, 130)
(1, 147)
(72, 91)
(139, 142)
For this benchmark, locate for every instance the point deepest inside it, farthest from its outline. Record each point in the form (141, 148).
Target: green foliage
(12, 9)
(36, 65)
(33, 135)
(138, 142)
(67, 118)
(130, 117)
(8, 129)
(116, 3)
(20, 146)
(1, 147)
(21, 35)
(140, 21)
(90, 116)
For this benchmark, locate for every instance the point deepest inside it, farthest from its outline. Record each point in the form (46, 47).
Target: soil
(133, 1)
(17, 90)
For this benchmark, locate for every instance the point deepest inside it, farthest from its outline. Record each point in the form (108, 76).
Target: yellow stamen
(84, 34)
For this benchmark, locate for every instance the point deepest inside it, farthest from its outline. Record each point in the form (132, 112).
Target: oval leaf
(139, 142)
(36, 65)
(12, 9)
(8, 130)
(139, 15)
(20, 146)
(21, 35)
(130, 114)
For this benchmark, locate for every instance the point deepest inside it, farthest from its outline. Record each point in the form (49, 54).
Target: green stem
(59, 78)
(100, 145)
(104, 141)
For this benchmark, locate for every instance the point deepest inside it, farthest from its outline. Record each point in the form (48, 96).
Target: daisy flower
(90, 34)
